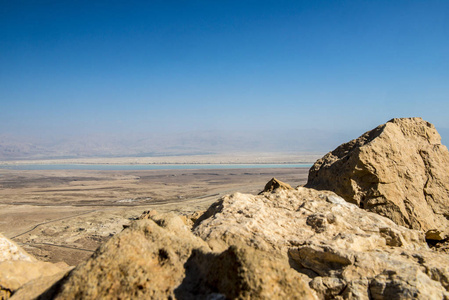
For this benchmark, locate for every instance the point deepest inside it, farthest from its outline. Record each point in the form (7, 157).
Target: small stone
(274, 185)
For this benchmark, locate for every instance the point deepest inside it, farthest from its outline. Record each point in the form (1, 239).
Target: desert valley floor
(64, 215)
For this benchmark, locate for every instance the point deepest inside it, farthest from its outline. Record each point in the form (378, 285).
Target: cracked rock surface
(301, 243)
(160, 258)
(343, 251)
(18, 268)
(398, 170)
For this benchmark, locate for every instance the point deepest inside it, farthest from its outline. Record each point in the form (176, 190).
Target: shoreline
(215, 159)
(136, 167)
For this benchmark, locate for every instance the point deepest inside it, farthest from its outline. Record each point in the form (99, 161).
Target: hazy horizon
(212, 142)
(161, 76)
(169, 144)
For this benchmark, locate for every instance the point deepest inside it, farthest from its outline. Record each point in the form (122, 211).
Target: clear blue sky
(69, 67)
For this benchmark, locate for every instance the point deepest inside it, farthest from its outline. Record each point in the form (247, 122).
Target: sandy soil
(65, 215)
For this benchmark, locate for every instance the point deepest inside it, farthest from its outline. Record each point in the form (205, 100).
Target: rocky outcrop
(398, 170)
(145, 260)
(18, 268)
(34, 288)
(159, 258)
(275, 222)
(344, 251)
(301, 243)
(15, 274)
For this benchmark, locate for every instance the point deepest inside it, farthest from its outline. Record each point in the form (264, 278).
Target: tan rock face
(343, 251)
(274, 222)
(398, 170)
(145, 260)
(302, 243)
(17, 268)
(10, 251)
(160, 258)
(37, 286)
(14, 274)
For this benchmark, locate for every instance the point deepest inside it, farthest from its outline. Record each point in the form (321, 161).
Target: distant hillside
(188, 143)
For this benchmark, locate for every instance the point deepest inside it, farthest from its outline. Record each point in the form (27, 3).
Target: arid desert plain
(64, 215)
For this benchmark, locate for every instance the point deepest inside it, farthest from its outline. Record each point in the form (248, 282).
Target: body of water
(113, 167)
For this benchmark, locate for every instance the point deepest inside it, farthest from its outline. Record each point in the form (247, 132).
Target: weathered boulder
(14, 274)
(274, 222)
(145, 260)
(160, 258)
(398, 170)
(17, 268)
(343, 251)
(37, 286)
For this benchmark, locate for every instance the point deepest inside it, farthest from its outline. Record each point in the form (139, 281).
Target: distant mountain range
(189, 143)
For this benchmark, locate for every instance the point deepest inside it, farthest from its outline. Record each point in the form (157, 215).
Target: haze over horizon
(217, 75)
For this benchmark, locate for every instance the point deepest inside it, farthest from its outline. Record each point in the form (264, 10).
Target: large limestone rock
(399, 170)
(15, 274)
(343, 251)
(17, 268)
(160, 258)
(145, 260)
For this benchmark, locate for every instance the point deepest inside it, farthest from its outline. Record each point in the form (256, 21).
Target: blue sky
(76, 67)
